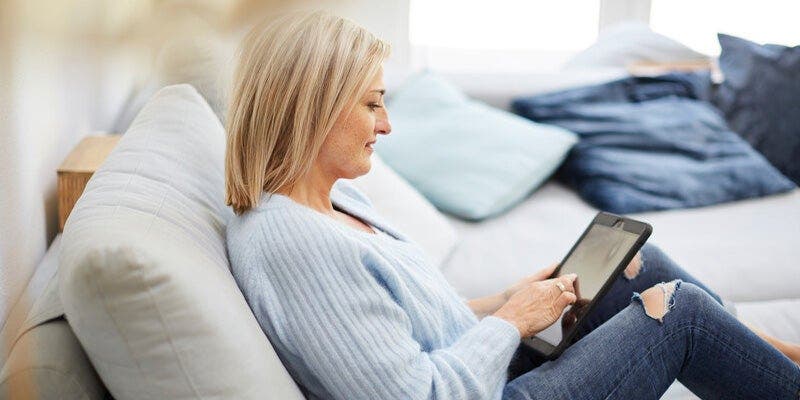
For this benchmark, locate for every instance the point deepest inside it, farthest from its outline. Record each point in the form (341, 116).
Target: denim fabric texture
(653, 143)
(760, 97)
(626, 354)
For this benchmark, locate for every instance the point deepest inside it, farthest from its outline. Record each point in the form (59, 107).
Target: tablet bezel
(642, 230)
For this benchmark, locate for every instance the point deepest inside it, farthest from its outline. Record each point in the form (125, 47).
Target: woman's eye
(373, 106)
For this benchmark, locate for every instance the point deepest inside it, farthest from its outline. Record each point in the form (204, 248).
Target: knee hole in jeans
(634, 268)
(659, 299)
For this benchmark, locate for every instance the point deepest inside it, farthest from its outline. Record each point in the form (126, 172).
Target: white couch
(747, 251)
(144, 282)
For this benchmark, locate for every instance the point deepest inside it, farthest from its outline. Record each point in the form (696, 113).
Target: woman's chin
(362, 169)
(366, 166)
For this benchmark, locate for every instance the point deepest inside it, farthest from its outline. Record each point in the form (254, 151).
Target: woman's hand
(525, 282)
(534, 307)
(483, 306)
(570, 318)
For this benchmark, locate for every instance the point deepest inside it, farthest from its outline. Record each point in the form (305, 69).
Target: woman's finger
(562, 284)
(565, 299)
(545, 272)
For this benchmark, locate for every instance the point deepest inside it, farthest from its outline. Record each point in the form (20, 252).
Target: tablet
(598, 257)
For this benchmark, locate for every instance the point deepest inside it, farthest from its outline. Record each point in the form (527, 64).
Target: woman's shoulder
(274, 220)
(278, 221)
(288, 244)
(283, 228)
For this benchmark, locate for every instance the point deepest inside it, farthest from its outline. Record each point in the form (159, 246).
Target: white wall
(613, 12)
(388, 19)
(58, 82)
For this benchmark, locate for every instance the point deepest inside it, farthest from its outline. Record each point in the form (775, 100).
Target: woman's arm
(314, 295)
(483, 306)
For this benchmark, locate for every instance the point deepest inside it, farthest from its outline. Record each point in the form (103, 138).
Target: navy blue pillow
(652, 144)
(761, 99)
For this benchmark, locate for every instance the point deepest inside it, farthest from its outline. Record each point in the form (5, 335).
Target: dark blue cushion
(761, 99)
(652, 144)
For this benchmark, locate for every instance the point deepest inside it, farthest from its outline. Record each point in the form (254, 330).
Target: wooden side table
(77, 168)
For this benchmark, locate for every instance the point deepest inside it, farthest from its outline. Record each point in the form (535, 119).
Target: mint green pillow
(467, 158)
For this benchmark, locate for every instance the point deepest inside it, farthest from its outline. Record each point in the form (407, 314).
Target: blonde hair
(296, 74)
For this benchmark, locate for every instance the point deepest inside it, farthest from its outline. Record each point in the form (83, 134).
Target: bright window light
(696, 23)
(565, 25)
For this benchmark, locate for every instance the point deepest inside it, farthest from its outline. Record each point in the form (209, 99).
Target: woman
(354, 309)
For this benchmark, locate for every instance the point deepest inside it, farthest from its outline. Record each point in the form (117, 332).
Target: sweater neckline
(344, 203)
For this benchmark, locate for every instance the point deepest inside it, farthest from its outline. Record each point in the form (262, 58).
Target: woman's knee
(653, 261)
(660, 299)
(634, 267)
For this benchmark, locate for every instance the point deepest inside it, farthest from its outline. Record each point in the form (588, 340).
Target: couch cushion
(144, 277)
(729, 246)
(467, 158)
(625, 44)
(47, 362)
(760, 96)
(38, 303)
(43, 359)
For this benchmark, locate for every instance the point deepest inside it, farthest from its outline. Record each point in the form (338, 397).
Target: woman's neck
(313, 190)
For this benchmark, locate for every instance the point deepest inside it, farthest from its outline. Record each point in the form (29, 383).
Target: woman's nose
(383, 127)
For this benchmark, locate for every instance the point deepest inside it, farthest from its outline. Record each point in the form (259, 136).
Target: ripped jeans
(626, 353)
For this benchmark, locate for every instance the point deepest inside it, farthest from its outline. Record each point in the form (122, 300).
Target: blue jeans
(625, 354)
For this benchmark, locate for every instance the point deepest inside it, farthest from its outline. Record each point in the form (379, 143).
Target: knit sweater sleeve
(330, 311)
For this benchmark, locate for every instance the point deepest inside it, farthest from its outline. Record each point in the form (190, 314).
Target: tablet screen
(594, 259)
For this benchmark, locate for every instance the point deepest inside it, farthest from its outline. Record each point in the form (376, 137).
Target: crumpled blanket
(652, 143)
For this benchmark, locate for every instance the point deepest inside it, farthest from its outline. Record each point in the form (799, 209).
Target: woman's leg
(653, 267)
(650, 267)
(674, 331)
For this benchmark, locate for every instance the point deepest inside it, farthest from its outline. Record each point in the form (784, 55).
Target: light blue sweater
(354, 315)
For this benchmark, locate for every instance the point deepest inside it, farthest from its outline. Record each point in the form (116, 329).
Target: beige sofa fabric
(144, 277)
(42, 358)
(47, 362)
(38, 303)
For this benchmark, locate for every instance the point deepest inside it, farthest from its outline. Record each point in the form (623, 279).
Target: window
(696, 23)
(505, 24)
(500, 34)
(536, 36)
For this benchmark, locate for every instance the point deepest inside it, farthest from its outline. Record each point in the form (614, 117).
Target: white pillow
(407, 210)
(144, 275)
(627, 43)
(500, 89)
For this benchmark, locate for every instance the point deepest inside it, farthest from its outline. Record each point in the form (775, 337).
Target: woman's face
(346, 150)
